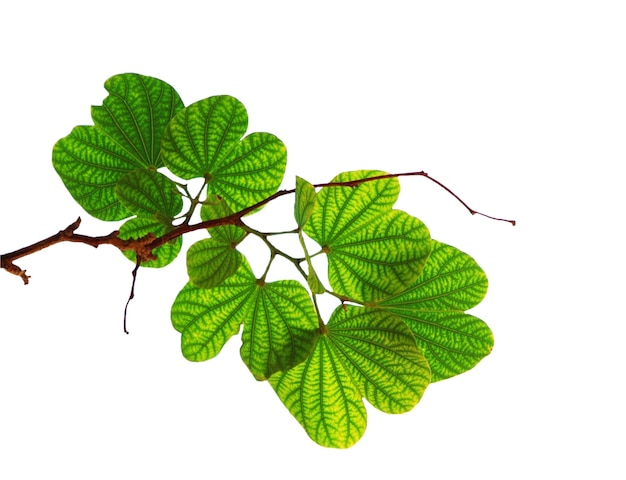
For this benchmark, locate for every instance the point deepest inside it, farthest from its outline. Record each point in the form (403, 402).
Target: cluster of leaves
(400, 322)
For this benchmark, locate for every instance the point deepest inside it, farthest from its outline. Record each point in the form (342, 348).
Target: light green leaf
(207, 318)
(136, 113)
(136, 228)
(433, 307)
(211, 261)
(280, 328)
(313, 280)
(344, 210)
(380, 259)
(214, 208)
(363, 353)
(204, 140)
(380, 352)
(305, 201)
(373, 251)
(149, 194)
(129, 126)
(321, 395)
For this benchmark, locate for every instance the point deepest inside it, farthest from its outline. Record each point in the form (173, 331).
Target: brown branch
(144, 246)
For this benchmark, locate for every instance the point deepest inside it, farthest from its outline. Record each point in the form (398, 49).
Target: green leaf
(214, 208)
(211, 261)
(129, 125)
(365, 353)
(204, 140)
(279, 321)
(380, 352)
(149, 194)
(433, 307)
(321, 395)
(207, 318)
(342, 210)
(280, 329)
(373, 251)
(136, 113)
(305, 201)
(90, 165)
(313, 280)
(136, 228)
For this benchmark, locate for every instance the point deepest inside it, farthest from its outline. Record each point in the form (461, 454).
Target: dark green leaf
(433, 307)
(129, 125)
(204, 140)
(136, 113)
(149, 194)
(136, 228)
(90, 165)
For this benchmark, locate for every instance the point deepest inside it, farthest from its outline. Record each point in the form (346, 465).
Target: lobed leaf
(138, 227)
(90, 164)
(150, 194)
(433, 308)
(373, 251)
(135, 114)
(364, 353)
(344, 210)
(204, 140)
(321, 395)
(380, 352)
(280, 329)
(207, 318)
(126, 136)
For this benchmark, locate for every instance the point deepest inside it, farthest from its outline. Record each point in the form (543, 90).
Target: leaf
(129, 125)
(342, 210)
(321, 395)
(136, 228)
(149, 194)
(373, 251)
(90, 164)
(363, 353)
(136, 113)
(280, 329)
(214, 208)
(204, 140)
(380, 352)
(211, 261)
(279, 321)
(305, 201)
(433, 307)
(207, 318)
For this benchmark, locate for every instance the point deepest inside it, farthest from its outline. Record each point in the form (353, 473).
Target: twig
(144, 246)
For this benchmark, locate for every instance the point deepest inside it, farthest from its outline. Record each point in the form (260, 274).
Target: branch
(144, 246)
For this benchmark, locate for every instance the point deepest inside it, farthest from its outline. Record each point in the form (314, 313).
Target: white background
(519, 107)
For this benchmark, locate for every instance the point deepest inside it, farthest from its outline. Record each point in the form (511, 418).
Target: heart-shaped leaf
(433, 308)
(364, 353)
(126, 136)
(373, 251)
(204, 140)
